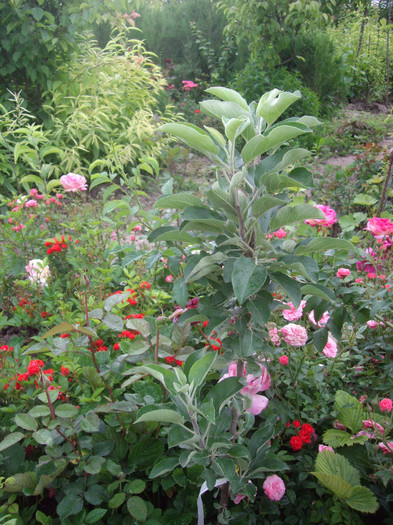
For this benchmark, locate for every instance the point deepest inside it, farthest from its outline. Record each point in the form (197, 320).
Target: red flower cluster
(56, 245)
(216, 347)
(128, 334)
(98, 346)
(172, 359)
(6, 348)
(145, 285)
(135, 316)
(303, 437)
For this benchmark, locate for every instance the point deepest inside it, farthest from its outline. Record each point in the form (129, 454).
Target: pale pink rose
(33, 192)
(323, 320)
(386, 404)
(280, 234)
(321, 448)
(274, 335)
(374, 324)
(237, 499)
(169, 278)
(294, 334)
(379, 227)
(39, 197)
(73, 182)
(386, 449)
(274, 487)
(137, 228)
(330, 349)
(31, 203)
(293, 314)
(38, 272)
(325, 223)
(359, 280)
(343, 272)
(258, 403)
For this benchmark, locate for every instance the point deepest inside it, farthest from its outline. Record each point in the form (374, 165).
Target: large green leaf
(178, 201)
(265, 203)
(291, 214)
(193, 136)
(223, 391)
(205, 266)
(218, 109)
(281, 159)
(162, 415)
(297, 178)
(329, 462)
(247, 278)
(26, 422)
(349, 410)
(201, 368)
(10, 440)
(137, 507)
(229, 95)
(363, 500)
(289, 285)
(272, 104)
(334, 483)
(277, 136)
(340, 438)
(163, 466)
(322, 244)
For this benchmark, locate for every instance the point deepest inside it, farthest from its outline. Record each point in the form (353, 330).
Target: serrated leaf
(349, 411)
(363, 500)
(137, 508)
(334, 483)
(334, 464)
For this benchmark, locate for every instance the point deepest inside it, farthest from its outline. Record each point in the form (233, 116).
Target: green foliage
(104, 106)
(337, 474)
(254, 78)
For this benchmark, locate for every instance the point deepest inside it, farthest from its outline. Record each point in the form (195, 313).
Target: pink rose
(386, 449)
(326, 223)
(31, 203)
(274, 335)
(274, 487)
(169, 278)
(343, 272)
(379, 227)
(38, 272)
(283, 360)
(293, 314)
(330, 349)
(189, 84)
(386, 404)
(321, 448)
(323, 320)
(73, 182)
(374, 324)
(294, 334)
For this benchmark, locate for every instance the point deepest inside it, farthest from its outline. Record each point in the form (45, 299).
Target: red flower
(307, 428)
(64, 336)
(296, 442)
(197, 111)
(145, 285)
(34, 367)
(116, 346)
(297, 424)
(305, 436)
(64, 371)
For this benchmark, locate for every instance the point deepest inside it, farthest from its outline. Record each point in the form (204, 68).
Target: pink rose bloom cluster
(379, 227)
(294, 334)
(330, 349)
(38, 272)
(323, 320)
(386, 404)
(330, 214)
(293, 314)
(274, 487)
(189, 84)
(73, 182)
(343, 272)
(279, 234)
(254, 385)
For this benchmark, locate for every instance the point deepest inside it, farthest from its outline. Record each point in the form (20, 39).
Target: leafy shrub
(104, 106)
(253, 79)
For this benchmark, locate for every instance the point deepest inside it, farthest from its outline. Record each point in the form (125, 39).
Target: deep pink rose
(330, 349)
(343, 272)
(379, 227)
(323, 320)
(73, 182)
(326, 223)
(274, 487)
(294, 334)
(386, 404)
(283, 360)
